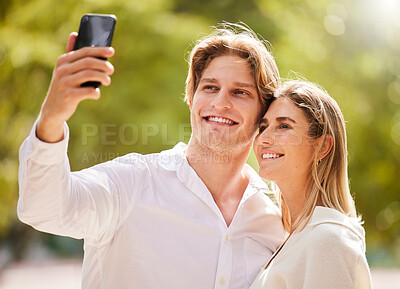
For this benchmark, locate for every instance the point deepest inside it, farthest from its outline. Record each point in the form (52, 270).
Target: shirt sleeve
(336, 259)
(87, 204)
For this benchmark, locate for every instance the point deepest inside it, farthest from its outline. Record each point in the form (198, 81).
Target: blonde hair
(328, 176)
(238, 40)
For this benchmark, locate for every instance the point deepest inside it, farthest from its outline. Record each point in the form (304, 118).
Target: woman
(301, 147)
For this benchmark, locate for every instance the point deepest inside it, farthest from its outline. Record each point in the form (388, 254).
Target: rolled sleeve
(44, 152)
(42, 166)
(86, 204)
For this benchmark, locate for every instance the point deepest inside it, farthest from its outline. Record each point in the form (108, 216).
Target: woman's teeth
(271, 156)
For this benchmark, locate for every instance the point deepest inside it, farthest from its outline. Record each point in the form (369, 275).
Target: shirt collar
(256, 183)
(175, 160)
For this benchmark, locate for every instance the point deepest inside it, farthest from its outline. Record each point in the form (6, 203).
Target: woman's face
(283, 148)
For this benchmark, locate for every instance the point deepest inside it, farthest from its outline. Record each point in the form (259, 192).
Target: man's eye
(261, 129)
(241, 92)
(209, 87)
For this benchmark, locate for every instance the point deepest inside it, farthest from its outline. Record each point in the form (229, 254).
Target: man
(195, 216)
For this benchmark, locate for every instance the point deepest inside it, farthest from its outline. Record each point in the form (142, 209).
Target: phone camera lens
(85, 19)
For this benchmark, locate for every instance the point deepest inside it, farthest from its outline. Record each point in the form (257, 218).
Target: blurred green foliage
(351, 48)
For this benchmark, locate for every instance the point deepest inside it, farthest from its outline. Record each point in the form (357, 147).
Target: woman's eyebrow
(264, 121)
(285, 118)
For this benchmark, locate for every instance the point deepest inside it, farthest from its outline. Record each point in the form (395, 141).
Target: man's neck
(222, 173)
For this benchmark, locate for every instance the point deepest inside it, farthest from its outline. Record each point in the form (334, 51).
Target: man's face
(225, 108)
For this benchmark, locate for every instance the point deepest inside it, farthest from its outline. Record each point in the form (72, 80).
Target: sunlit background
(350, 47)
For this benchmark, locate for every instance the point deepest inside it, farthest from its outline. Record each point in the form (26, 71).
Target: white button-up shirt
(148, 221)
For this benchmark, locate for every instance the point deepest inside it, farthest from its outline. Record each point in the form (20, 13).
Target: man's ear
(326, 146)
(190, 105)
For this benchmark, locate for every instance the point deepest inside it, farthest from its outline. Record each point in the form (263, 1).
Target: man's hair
(237, 40)
(328, 179)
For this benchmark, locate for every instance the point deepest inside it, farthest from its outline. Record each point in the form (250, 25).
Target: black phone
(95, 30)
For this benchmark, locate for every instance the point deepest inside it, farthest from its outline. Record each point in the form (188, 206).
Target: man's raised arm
(47, 188)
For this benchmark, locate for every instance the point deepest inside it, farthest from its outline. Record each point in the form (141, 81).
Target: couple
(197, 216)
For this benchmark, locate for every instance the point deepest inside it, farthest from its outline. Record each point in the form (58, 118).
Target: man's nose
(222, 100)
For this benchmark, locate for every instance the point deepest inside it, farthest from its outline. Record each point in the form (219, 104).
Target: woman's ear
(326, 146)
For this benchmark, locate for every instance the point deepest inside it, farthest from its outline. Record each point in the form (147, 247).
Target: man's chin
(225, 145)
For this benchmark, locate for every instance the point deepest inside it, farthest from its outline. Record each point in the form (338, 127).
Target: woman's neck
(294, 195)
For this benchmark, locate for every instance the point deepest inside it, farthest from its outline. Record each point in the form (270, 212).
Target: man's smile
(219, 119)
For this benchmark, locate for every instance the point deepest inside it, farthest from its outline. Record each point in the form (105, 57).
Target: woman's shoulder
(329, 229)
(332, 246)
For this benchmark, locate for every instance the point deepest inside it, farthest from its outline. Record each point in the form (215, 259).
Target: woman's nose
(266, 137)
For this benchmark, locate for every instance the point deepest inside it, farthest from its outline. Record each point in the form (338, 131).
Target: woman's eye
(284, 126)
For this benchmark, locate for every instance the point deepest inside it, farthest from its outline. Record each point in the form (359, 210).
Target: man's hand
(65, 93)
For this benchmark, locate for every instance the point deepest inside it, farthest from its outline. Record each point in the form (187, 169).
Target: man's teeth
(271, 156)
(220, 120)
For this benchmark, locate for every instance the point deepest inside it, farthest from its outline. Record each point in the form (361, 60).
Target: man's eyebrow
(208, 79)
(285, 118)
(245, 84)
(237, 83)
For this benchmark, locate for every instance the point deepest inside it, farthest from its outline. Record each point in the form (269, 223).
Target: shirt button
(226, 237)
(222, 281)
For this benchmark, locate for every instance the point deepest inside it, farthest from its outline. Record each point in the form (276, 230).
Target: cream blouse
(328, 253)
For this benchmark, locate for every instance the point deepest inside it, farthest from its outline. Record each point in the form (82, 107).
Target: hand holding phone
(74, 75)
(95, 30)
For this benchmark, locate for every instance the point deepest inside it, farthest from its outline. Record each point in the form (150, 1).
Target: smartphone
(95, 30)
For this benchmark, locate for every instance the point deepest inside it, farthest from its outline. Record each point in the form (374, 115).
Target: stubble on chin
(223, 143)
